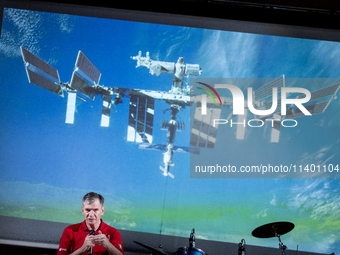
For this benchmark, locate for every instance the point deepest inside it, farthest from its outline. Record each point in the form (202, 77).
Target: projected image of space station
(125, 109)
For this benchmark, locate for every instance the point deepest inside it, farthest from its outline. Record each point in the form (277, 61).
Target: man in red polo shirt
(76, 239)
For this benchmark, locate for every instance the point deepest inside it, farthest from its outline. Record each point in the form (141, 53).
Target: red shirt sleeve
(116, 240)
(65, 243)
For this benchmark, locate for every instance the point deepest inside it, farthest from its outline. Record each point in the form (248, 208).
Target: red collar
(84, 227)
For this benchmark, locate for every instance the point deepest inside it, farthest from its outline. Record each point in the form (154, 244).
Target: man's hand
(101, 239)
(88, 243)
(105, 242)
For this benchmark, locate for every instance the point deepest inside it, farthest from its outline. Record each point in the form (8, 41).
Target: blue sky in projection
(46, 158)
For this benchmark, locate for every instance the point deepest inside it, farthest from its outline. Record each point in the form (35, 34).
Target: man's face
(92, 213)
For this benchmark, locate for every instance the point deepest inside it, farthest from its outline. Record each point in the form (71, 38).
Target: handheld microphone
(192, 239)
(92, 232)
(242, 248)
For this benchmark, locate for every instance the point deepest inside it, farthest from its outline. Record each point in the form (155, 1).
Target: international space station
(84, 85)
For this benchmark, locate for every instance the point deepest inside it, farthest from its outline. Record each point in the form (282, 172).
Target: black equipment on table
(191, 250)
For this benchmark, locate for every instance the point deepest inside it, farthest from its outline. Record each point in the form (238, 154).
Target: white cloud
(26, 30)
(179, 40)
(273, 201)
(317, 202)
(229, 54)
(317, 197)
(326, 60)
(316, 158)
(66, 23)
(262, 214)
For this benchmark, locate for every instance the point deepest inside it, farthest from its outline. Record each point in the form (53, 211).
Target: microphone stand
(241, 247)
(192, 239)
(282, 247)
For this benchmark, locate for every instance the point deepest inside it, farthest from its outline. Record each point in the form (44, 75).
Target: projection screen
(90, 101)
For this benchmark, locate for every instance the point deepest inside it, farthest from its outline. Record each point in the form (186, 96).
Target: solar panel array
(40, 73)
(267, 90)
(203, 133)
(141, 115)
(324, 92)
(82, 86)
(84, 81)
(39, 63)
(313, 109)
(43, 82)
(87, 67)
